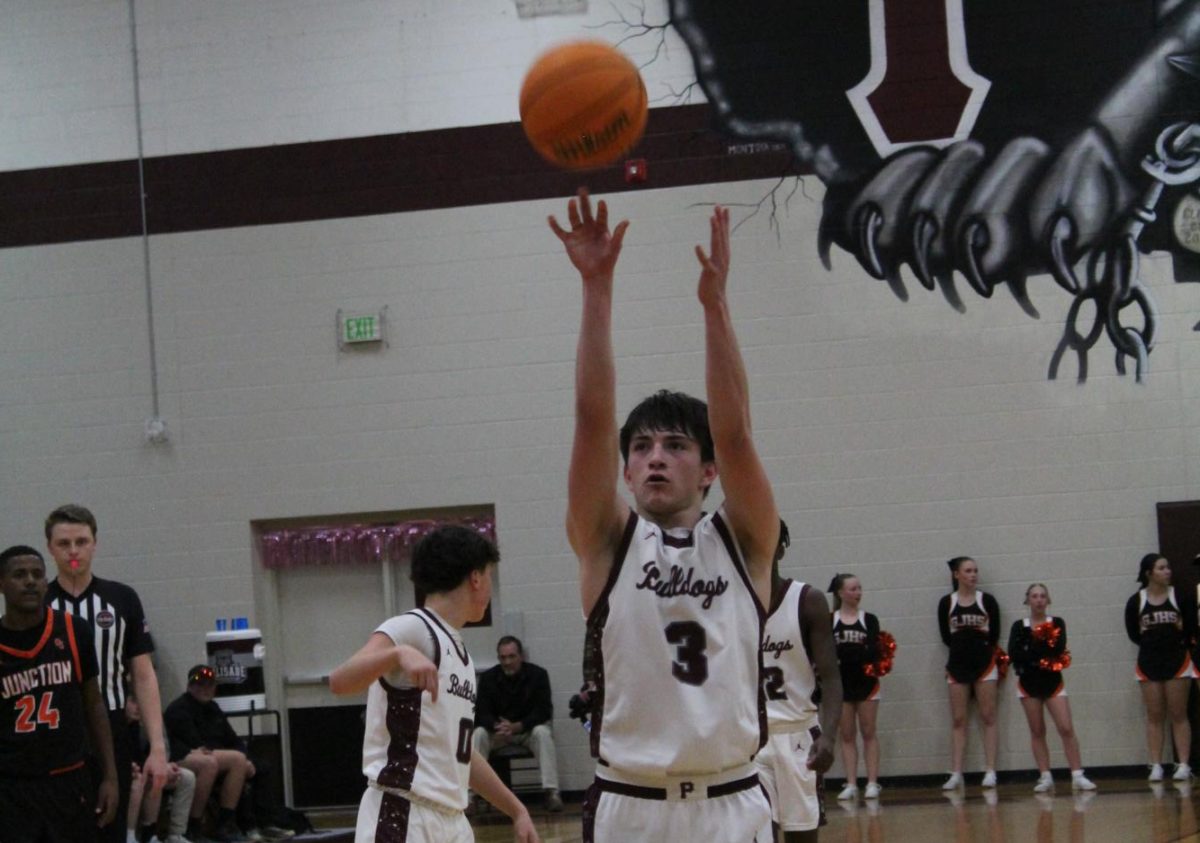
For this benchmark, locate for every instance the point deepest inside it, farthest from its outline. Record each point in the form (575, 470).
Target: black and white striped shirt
(119, 628)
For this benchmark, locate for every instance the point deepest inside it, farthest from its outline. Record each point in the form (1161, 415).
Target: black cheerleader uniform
(1026, 653)
(972, 633)
(857, 646)
(1162, 634)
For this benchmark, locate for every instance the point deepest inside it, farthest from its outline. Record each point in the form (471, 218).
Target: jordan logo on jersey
(776, 648)
(50, 673)
(681, 583)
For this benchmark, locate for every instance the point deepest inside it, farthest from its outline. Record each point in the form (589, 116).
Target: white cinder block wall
(898, 435)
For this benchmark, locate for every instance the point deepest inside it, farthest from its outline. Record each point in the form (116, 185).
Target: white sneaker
(1183, 773)
(1156, 773)
(954, 782)
(1045, 783)
(1081, 782)
(989, 779)
(849, 792)
(872, 791)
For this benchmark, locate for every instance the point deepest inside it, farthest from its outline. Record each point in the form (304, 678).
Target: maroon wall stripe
(386, 174)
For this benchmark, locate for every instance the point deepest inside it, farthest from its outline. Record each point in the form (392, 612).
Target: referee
(122, 637)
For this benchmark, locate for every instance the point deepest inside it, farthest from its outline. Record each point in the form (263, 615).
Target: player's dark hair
(511, 639)
(1146, 566)
(17, 550)
(447, 555)
(835, 588)
(955, 564)
(70, 513)
(676, 412)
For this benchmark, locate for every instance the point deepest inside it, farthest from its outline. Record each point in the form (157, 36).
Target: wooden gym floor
(1121, 811)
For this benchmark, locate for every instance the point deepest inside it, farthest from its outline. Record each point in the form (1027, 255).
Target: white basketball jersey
(413, 744)
(789, 681)
(673, 647)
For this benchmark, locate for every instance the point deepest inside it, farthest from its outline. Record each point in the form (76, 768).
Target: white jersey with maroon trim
(673, 649)
(789, 680)
(413, 744)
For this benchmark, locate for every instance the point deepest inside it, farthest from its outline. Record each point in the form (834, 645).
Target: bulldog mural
(980, 140)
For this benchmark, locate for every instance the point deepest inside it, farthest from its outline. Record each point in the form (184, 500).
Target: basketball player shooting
(674, 597)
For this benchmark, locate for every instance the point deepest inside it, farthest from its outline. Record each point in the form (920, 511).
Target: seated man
(513, 706)
(203, 741)
(145, 803)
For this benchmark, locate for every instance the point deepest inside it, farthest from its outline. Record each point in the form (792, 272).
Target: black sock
(146, 832)
(225, 817)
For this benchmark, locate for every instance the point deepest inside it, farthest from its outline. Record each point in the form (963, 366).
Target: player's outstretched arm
(595, 512)
(484, 781)
(819, 630)
(100, 734)
(749, 500)
(379, 657)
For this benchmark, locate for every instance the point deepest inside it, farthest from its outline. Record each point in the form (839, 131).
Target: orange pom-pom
(1002, 661)
(886, 654)
(1047, 634)
(1057, 664)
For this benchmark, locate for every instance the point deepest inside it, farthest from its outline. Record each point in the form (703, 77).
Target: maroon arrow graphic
(921, 88)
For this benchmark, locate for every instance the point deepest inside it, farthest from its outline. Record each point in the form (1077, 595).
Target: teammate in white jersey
(803, 686)
(674, 598)
(417, 754)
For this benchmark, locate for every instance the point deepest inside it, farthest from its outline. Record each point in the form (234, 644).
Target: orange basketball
(583, 105)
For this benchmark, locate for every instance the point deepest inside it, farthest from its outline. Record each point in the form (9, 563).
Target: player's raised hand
(421, 672)
(714, 266)
(592, 249)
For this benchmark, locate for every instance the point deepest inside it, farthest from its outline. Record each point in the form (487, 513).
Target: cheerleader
(1155, 623)
(1037, 646)
(856, 635)
(969, 621)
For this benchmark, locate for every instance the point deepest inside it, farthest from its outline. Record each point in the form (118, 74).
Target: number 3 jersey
(412, 744)
(42, 671)
(789, 681)
(673, 650)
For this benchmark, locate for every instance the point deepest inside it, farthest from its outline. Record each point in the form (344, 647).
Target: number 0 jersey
(789, 681)
(673, 650)
(413, 744)
(42, 720)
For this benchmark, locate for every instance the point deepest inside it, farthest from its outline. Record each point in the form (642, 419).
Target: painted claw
(870, 220)
(925, 231)
(1060, 239)
(825, 247)
(974, 243)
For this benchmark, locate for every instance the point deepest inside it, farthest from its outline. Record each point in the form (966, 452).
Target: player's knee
(541, 732)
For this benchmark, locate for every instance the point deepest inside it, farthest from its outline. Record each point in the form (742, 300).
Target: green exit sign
(355, 328)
